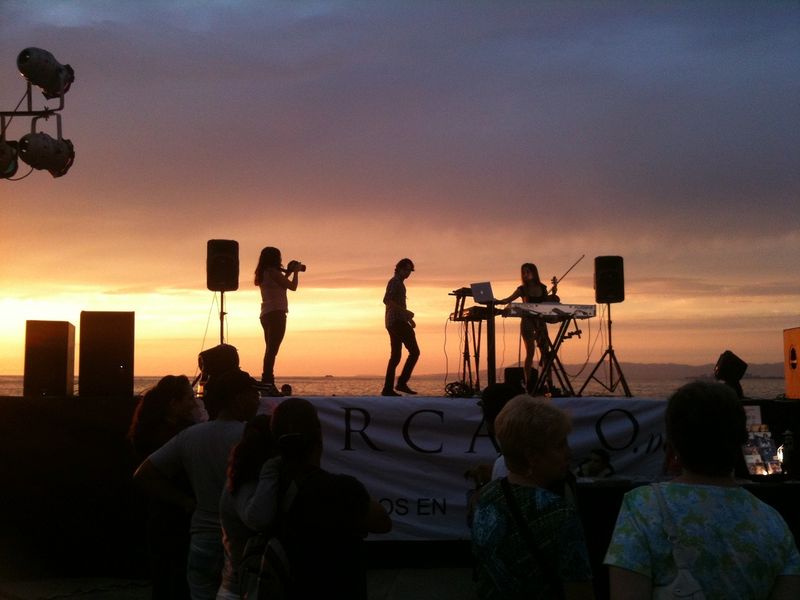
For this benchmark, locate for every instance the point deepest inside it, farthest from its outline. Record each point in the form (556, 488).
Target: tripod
(615, 376)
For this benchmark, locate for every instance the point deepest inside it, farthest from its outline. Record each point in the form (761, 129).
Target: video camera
(295, 265)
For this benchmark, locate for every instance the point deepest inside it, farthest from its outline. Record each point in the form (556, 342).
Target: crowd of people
(220, 476)
(214, 484)
(699, 535)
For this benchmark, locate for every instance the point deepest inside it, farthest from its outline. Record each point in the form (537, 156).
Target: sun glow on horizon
(340, 330)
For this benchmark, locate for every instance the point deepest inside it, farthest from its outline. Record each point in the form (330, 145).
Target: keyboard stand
(552, 364)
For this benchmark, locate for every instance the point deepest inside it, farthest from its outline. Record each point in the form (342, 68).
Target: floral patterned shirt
(505, 567)
(741, 544)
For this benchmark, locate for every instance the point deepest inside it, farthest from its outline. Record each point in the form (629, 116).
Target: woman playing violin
(533, 329)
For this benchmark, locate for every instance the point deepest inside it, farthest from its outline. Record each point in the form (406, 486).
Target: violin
(552, 295)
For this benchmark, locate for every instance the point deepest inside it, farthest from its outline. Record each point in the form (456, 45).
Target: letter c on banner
(598, 427)
(407, 436)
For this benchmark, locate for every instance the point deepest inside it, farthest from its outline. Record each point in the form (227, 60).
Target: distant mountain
(649, 371)
(666, 371)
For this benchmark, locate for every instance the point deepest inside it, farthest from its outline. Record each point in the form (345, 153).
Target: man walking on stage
(400, 325)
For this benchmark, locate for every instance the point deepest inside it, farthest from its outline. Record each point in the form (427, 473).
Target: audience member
(164, 410)
(735, 546)
(527, 540)
(201, 453)
(328, 518)
(248, 502)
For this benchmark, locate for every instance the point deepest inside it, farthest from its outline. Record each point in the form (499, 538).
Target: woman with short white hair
(528, 541)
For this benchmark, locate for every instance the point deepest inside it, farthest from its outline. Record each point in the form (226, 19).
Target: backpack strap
(527, 535)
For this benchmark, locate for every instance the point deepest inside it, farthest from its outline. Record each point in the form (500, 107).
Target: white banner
(412, 453)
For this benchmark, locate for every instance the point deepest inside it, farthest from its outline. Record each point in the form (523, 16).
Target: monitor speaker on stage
(106, 354)
(791, 372)
(49, 358)
(609, 280)
(515, 376)
(222, 265)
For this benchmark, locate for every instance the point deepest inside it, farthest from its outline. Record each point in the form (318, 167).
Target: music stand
(613, 367)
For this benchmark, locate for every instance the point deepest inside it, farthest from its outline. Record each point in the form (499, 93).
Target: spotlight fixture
(9, 159)
(40, 68)
(41, 151)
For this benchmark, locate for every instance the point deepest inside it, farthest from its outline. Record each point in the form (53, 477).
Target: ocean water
(434, 385)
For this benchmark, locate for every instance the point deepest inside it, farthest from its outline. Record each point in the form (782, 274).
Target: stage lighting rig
(40, 68)
(9, 159)
(39, 150)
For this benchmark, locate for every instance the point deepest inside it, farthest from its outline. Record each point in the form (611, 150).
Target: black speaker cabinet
(515, 376)
(106, 354)
(222, 265)
(49, 358)
(217, 360)
(609, 280)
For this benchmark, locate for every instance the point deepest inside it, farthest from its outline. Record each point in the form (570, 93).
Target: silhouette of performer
(400, 325)
(273, 282)
(532, 329)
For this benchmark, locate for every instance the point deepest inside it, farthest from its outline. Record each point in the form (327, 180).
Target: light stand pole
(615, 376)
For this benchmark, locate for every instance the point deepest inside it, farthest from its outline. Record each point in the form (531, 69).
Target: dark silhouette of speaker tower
(609, 288)
(222, 273)
(106, 353)
(49, 358)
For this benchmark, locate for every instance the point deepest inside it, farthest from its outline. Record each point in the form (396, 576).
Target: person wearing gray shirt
(201, 453)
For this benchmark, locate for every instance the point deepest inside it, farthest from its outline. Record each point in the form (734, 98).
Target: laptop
(482, 292)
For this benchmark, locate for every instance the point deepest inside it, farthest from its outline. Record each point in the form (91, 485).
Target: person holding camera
(400, 325)
(273, 281)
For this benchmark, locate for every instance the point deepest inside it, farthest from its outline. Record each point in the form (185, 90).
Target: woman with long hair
(248, 502)
(162, 412)
(533, 330)
(329, 514)
(273, 282)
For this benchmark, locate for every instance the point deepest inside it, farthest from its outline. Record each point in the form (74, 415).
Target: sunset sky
(469, 136)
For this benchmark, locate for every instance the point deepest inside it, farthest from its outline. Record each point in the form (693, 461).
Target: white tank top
(273, 295)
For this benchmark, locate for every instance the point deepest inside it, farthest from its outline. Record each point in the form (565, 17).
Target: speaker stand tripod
(222, 314)
(615, 376)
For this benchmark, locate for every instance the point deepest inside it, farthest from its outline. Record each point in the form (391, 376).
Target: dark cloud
(663, 132)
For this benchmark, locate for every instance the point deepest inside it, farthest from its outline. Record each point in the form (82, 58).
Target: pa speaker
(217, 360)
(49, 358)
(106, 354)
(609, 280)
(515, 376)
(222, 265)
(791, 372)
